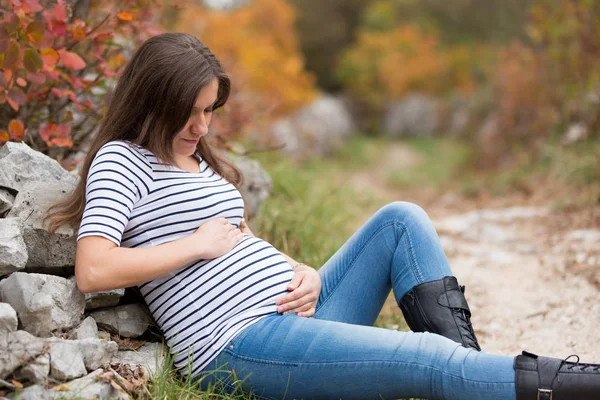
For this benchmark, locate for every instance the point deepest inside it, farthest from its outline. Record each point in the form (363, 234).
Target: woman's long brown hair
(151, 103)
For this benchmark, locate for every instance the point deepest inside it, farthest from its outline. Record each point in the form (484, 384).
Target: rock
(13, 252)
(459, 114)
(108, 298)
(33, 392)
(149, 357)
(6, 201)
(91, 386)
(415, 115)
(8, 319)
(44, 303)
(66, 360)
(256, 185)
(86, 330)
(18, 348)
(317, 129)
(130, 320)
(575, 133)
(36, 372)
(31, 204)
(21, 165)
(584, 236)
(97, 352)
(103, 335)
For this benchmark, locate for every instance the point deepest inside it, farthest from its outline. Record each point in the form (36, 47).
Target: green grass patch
(311, 211)
(441, 161)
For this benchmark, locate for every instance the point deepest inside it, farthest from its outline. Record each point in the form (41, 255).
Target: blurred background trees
(515, 72)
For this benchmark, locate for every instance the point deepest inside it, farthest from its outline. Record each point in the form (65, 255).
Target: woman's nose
(200, 126)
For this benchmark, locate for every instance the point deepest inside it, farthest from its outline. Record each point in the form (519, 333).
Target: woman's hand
(216, 237)
(305, 287)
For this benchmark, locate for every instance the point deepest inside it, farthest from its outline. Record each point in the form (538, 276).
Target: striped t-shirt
(134, 200)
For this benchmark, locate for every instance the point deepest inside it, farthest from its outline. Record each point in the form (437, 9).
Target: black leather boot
(544, 378)
(440, 307)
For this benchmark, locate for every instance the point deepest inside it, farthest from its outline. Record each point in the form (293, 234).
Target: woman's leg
(291, 357)
(397, 248)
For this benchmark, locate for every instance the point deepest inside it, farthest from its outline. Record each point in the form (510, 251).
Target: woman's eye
(208, 110)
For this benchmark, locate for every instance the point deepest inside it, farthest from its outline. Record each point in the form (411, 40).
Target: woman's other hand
(305, 288)
(216, 237)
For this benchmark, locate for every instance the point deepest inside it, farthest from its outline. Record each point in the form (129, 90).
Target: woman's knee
(404, 211)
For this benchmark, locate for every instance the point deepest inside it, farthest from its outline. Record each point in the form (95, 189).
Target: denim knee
(404, 211)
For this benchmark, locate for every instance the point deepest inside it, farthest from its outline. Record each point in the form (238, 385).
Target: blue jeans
(339, 354)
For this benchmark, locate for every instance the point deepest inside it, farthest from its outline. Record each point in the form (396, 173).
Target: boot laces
(582, 366)
(465, 318)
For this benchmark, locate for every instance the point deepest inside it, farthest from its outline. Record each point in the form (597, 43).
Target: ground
(531, 272)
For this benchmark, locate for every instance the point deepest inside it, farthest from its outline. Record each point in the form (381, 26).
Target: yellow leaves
(50, 57)
(388, 64)
(258, 47)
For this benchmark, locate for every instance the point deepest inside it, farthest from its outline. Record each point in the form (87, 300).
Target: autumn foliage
(386, 65)
(553, 79)
(57, 62)
(258, 46)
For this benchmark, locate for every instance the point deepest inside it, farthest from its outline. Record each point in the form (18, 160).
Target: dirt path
(530, 286)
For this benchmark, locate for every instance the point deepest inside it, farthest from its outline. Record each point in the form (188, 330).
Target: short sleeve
(115, 182)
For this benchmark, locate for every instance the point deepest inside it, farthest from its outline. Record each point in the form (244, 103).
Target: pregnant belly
(252, 274)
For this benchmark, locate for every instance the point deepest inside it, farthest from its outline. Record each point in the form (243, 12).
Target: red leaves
(16, 98)
(27, 6)
(12, 56)
(71, 60)
(54, 134)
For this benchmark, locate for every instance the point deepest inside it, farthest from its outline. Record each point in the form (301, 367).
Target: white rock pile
(55, 342)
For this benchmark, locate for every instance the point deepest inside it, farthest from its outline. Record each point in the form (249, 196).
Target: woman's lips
(191, 141)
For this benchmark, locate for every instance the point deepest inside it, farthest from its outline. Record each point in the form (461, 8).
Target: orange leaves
(125, 16)
(50, 57)
(16, 129)
(71, 60)
(384, 65)
(54, 134)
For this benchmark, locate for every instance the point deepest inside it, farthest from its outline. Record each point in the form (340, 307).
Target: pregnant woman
(157, 208)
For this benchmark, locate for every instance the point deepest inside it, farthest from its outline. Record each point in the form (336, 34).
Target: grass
(441, 162)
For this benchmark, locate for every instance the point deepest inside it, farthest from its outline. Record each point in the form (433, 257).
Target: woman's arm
(101, 265)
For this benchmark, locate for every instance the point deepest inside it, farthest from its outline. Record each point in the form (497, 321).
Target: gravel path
(520, 289)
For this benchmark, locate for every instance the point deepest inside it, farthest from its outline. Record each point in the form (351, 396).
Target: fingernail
(279, 309)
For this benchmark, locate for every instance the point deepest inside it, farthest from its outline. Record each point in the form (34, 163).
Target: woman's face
(186, 141)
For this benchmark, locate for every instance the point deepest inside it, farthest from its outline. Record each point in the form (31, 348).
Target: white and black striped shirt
(136, 201)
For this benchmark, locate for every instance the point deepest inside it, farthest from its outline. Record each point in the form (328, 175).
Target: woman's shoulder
(126, 153)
